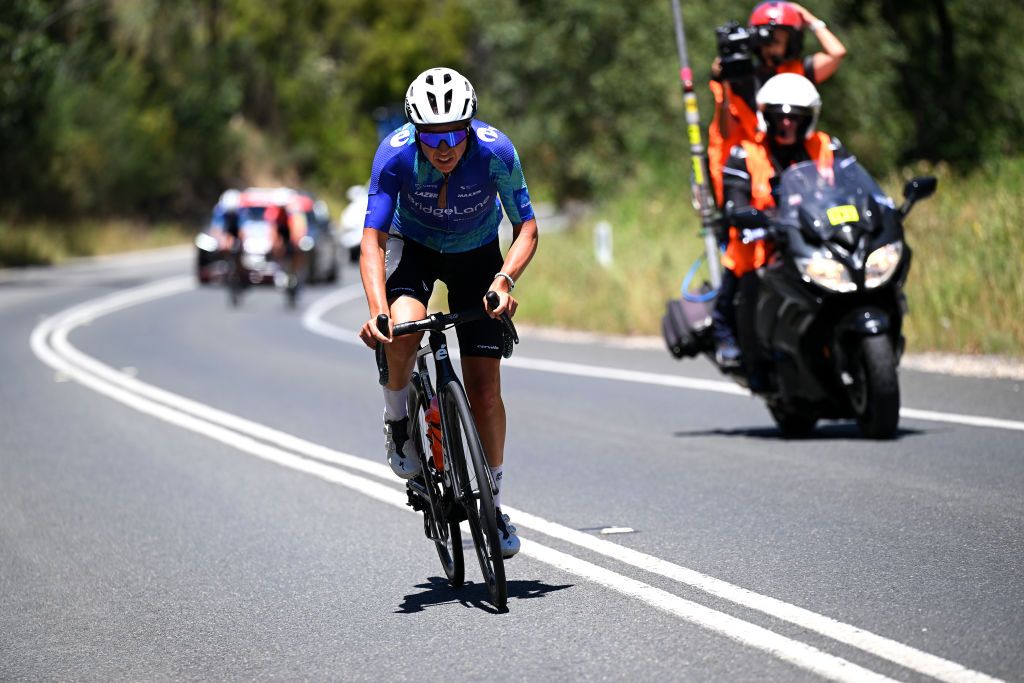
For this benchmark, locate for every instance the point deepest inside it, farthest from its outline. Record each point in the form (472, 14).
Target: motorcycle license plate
(838, 215)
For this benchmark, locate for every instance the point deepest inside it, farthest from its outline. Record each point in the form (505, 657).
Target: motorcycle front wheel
(875, 392)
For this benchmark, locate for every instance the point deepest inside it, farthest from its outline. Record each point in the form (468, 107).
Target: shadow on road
(436, 591)
(825, 432)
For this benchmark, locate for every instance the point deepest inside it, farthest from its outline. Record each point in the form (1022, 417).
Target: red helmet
(780, 15)
(777, 13)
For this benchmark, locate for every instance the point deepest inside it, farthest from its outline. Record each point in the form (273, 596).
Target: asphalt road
(193, 493)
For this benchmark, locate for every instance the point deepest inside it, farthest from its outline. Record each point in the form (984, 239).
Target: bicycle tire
(234, 281)
(465, 452)
(449, 551)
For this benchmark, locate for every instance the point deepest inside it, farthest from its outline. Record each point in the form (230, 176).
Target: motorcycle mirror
(748, 219)
(917, 189)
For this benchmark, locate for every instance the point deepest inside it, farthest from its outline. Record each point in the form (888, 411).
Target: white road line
(313, 321)
(130, 390)
(792, 651)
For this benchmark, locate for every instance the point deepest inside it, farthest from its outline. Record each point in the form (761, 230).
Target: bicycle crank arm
(419, 501)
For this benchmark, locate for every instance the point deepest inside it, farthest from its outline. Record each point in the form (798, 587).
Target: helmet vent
(447, 78)
(416, 109)
(432, 100)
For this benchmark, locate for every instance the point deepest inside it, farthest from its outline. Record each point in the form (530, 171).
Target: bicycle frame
(455, 472)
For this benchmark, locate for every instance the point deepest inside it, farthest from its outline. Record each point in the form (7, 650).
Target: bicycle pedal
(414, 501)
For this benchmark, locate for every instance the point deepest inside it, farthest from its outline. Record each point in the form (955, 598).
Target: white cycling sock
(496, 474)
(396, 403)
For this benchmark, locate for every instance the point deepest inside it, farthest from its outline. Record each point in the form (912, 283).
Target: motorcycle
(824, 337)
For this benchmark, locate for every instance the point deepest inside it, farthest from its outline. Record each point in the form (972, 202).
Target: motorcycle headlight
(306, 243)
(881, 264)
(824, 270)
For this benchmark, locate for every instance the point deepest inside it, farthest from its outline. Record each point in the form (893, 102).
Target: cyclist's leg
(469, 275)
(482, 378)
(401, 352)
(296, 259)
(408, 273)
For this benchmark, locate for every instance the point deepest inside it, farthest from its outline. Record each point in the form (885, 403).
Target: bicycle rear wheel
(234, 280)
(467, 454)
(449, 547)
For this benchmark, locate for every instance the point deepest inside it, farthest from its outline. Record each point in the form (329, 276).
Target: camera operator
(748, 56)
(775, 37)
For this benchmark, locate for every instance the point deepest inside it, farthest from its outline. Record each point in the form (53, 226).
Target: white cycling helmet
(440, 95)
(788, 94)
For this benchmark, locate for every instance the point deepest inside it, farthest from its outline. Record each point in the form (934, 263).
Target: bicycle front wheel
(440, 524)
(467, 454)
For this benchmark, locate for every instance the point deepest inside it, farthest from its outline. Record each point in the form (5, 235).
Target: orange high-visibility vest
(742, 258)
(744, 124)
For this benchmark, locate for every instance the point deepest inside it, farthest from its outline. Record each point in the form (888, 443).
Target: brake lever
(382, 359)
(506, 321)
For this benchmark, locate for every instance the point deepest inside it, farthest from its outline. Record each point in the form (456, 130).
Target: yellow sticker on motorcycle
(838, 215)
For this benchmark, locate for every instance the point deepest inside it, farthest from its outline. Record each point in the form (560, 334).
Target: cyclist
(287, 232)
(233, 237)
(436, 192)
(788, 109)
(778, 29)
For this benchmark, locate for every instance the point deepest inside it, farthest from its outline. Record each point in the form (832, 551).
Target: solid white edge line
(789, 650)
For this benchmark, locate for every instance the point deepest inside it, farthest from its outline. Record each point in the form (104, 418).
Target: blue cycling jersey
(404, 190)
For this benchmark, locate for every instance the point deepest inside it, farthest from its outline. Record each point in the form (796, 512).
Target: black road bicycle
(462, 488)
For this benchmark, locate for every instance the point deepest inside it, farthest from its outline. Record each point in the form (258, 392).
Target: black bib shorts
(412, 270)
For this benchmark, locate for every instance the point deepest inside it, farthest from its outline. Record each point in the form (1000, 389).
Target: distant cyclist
(286, 235)
(436, 194)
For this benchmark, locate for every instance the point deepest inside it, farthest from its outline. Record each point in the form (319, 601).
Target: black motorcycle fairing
(864, 322)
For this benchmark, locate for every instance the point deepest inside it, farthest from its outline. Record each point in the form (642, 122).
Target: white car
(352, 220)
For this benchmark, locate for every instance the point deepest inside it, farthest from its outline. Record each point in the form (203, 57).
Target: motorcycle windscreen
(827, 201)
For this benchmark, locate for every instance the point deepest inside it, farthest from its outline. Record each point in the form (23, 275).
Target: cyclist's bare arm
(371, 269)
(524, 245)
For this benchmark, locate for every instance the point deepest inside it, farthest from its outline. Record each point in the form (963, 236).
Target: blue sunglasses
(434, 140)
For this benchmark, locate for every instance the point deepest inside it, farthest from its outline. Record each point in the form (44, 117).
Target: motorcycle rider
(778, 28)
(788, 107)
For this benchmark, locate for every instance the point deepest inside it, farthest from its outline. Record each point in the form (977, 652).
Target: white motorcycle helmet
(440, 95)
(788, 94)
